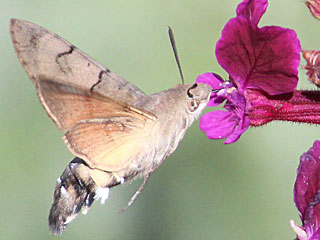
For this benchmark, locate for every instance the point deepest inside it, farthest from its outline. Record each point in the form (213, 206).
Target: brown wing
(67, 105)
(83, 98)
(110, 144)
(103, 132)
(45, 55)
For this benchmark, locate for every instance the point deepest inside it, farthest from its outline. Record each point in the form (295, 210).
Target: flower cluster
(262, 63)
(262, 59)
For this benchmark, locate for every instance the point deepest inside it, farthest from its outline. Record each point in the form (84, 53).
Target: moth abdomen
(75, 190)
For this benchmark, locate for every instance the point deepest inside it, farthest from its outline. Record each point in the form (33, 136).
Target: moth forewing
(67, 105)
(45, 55)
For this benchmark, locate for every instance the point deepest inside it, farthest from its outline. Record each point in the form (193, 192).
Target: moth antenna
(174, 48)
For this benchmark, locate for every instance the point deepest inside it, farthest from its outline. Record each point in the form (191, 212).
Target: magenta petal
(307, 186)
(212, 79)
(215, 100)
(312, 224)
(313, 235)
(217, 124)
(259, 58)
(243, 126)
(252, 9)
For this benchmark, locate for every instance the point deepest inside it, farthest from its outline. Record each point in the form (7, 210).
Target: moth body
(115, 130)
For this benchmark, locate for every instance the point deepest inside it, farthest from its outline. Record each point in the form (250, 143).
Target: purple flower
(307, 194)
(224, 124)
(264, 59)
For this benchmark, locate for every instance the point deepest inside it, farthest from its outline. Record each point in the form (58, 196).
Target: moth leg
(119, 179)
(137, 193)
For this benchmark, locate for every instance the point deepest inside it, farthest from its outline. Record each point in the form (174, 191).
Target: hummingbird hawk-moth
(115, 130)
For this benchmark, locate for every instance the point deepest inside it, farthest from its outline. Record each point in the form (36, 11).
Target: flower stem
(298, 106)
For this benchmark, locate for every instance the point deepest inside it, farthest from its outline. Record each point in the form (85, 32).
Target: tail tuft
(75, 190)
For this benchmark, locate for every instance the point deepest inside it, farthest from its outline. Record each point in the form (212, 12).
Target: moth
(116, 132)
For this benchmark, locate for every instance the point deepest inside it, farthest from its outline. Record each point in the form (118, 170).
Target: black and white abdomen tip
(75, 190)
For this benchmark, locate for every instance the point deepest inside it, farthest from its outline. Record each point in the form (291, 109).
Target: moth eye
(193, 105)
(190, 95)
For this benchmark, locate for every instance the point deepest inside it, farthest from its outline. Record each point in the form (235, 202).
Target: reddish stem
(299, 106)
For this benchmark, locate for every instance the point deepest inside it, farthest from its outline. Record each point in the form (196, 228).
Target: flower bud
(314, 7)
(313, 65)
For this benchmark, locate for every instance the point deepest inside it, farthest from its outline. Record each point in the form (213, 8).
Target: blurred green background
(204, 190)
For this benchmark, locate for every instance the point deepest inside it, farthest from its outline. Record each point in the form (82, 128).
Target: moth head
(198, 95)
